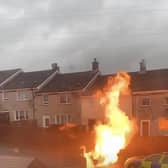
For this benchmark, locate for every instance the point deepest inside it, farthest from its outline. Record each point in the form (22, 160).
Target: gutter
(148, 92)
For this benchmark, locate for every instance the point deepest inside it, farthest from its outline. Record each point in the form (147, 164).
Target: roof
(99, 84)
(69, 81)
(19, 162)
(152, 80)
(6, 74)
(28, 80)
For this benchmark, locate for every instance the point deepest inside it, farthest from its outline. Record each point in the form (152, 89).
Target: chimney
(55, 67)
(142, 65)
(95, 65)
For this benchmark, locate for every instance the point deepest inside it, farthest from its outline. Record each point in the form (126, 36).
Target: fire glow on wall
(115, 134)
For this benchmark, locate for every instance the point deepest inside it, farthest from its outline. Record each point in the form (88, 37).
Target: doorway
(46, 121)
(145, 128)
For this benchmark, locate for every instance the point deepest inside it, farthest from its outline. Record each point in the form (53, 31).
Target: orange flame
(112, 136)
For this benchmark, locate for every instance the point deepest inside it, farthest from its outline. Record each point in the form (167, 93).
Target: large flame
(112, 136)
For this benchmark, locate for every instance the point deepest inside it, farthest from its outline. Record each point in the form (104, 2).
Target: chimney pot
(55, 67)
(95, 65)
(142, 66)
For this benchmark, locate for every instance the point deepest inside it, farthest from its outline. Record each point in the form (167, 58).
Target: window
(45, 99)
(163, 123)
(4, 96)
(57, 119)
(165, 101)
(62, 119)
(65, 99)
(22, 96)
(145, 101)
(21, 115)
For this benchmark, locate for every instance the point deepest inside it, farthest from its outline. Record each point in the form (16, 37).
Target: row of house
(50, 97)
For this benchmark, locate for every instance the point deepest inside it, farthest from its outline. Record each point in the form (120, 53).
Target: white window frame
(145, 105)
(65, 118)
(141, 127)
(4, 98)
(44, 101)
(67, 97)
(22, 98)
(26, 116)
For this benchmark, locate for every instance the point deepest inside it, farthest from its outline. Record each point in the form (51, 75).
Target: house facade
(147, 102)
(54, 98)
(150, 101)
(93, 110)
(151, 112)
(18, 95)
(59, 102)
(5, 77)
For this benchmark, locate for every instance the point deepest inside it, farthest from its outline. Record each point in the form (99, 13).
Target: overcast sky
(119, 33)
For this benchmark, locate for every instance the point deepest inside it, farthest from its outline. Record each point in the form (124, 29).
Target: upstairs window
(145, 101)
(4, 96)
(65, 99)
(45, 99)
(22, 96)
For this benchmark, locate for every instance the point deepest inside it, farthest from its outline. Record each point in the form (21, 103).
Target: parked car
(159, 160)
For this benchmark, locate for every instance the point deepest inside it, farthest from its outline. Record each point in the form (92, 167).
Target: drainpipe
(33, 104)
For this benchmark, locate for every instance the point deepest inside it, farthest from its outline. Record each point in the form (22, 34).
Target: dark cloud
(119, 33)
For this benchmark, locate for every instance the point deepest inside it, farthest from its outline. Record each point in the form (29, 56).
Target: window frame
(18, 115)
(142, 100)
(67, 99)
(22, 96)
(63, 119)
(45, 102)
(4, 98)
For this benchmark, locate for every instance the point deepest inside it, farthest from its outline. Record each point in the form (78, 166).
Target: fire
(112, 136)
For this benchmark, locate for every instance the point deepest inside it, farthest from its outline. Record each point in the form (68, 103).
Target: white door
(46, 121)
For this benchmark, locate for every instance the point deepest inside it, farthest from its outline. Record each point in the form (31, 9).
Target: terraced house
(18, 94)
(150, 101)
(147, 103)
(59, 102)
(53, 98)
(5, 77)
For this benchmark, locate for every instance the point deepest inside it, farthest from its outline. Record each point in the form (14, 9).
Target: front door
(91, 123)
(46, 121)
(145, 128)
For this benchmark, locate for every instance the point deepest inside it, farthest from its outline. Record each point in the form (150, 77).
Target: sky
(119, 33)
